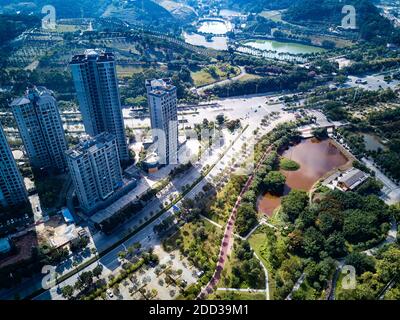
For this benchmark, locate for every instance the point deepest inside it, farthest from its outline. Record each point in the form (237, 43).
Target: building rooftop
(30, 93)
(159, 87)
(92, 54)
(352, 178)
(20, 101)
(90, 144)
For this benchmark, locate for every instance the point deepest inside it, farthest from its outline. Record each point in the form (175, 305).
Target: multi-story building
(96, 85)
(95, 169)
(41, 129)
(12, 187)
(162, 101)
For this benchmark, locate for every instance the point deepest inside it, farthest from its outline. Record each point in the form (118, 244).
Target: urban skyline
(96, 85)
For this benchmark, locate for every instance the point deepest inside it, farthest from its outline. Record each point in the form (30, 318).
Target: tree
(317, 274)
(313, 243)
(274, 182)
(360, 226)
(97, 270)
(371, 186)
(361, 262)
(85, 280)
(246, 218)
(220, 119)
(389, 265)
(320, 133)
(294, 204)
(67, 291)
(335, 245)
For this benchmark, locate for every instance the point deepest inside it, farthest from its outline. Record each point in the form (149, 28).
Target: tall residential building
(96, 85)
(95, 169)
(162, 101)
(12, 187)
(41, 129)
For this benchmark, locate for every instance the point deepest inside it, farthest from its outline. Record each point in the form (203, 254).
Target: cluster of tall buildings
(94, 164)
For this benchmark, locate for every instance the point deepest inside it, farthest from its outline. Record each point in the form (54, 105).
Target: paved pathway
(227, 240)
(296, 286)
(266, 277)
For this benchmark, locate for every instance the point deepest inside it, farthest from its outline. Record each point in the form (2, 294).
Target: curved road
(200, 90)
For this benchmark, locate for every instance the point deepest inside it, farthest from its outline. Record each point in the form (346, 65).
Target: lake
(316, 159)
(283, 47)
(214, 27)
(372, 142)
(218, 43)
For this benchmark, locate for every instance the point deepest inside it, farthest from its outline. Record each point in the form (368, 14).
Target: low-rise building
(347, 180)
(351, 179)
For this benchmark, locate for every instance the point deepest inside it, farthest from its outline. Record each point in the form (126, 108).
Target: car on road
(110, 293)
(199, 273)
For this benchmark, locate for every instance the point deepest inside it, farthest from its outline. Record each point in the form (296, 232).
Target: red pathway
(227, 240)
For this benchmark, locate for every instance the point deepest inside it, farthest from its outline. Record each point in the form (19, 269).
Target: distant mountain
(13, 25)
(372, 26)
(64, 8)
(260, 5)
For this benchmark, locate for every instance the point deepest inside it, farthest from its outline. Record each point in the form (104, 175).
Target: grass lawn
(66, 28)
(273, 15)
(236, 295)
(257, 240)
(248, 76)
(128, 71)
(204, 76)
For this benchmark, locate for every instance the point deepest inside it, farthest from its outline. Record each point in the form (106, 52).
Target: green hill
(144, 12)
(372, 26)
(13, 25)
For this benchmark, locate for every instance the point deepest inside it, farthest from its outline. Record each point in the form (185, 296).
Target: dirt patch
(24, 245)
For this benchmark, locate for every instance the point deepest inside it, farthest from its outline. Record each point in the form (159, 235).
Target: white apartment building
(162, 102)
(12, 187)
(40, 126)
(95, 169)
(96, 85)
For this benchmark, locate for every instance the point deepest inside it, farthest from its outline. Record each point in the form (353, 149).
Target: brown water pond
(316, 158)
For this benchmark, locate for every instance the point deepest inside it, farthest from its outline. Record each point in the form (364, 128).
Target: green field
(273, 15)
(209, 75)
(236, 295)
(128, 71)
